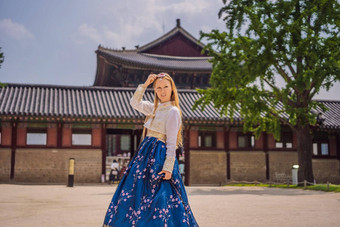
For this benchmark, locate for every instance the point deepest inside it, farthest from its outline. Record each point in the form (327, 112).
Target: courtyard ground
(85, 205)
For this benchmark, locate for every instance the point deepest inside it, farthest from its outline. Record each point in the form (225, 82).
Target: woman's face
(163, 90)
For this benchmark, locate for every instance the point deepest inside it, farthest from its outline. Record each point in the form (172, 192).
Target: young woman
(151, 192)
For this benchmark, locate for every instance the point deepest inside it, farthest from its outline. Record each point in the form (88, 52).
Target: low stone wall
(280, 165)
(51, 165)
(5, 164)
(326, 170)
(247, 166)
(208, 167)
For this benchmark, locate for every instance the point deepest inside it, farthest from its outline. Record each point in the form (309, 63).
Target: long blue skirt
(143, 198)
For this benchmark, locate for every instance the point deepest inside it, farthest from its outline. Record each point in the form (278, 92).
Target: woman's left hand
(167, 175)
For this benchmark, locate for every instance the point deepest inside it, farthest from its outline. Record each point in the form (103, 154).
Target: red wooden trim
(338, 145)
(82, 131)
(103, 147)
(14, 144)
(325, 157)
(207, 149)
(139, 136)
(132, 142)
(83, 147)
(226, 149)
(36, 146)
(59, 135)
(265, 149)
(246, 149)
(187, 155)
(283, 149)
(65, 147)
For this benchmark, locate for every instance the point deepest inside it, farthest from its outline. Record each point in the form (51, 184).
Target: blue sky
(54, 42)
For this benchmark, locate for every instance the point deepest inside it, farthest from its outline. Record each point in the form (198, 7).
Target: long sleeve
(172, 126)
(137, 103)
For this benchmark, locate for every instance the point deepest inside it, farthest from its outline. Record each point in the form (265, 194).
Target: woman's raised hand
(150, 80)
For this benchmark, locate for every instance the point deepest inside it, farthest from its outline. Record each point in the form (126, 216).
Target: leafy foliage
(273, 58)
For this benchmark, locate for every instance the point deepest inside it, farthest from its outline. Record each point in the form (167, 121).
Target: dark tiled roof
(86, 102)
(145, 61)
(142, 59)
(104, 102)
(332, 115)
(174, 31)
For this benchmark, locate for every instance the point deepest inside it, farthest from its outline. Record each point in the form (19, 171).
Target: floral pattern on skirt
(143, 198)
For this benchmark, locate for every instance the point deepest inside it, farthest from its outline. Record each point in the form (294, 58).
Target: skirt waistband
(158, 135)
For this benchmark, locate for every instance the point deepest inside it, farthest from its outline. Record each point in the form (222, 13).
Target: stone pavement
(58, 205)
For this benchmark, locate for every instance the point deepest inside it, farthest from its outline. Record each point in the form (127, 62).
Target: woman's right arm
(136, 101)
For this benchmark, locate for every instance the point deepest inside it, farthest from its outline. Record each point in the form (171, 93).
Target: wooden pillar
(13, 147)
(139, 136)
(118, 140)
(187, 154)
(226, 149)
(59, 135)
(193, 81)
(338, 145)
(265, 149)
(132, 143)
(103, 148)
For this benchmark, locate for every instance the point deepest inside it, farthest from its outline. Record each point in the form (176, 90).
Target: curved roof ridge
(147, 61)
(176, 57)
(172, 32)
(87, 87)
(326, 100)
(100, 47)
(74, 87)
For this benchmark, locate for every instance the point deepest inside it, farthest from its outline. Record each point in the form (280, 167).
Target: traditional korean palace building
(43, 126)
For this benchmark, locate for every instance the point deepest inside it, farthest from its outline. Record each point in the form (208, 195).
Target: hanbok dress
(142, 197)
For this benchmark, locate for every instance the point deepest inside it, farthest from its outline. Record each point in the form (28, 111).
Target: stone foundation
(326, 170)
(39, 165)
(247, 166)
(5, 164)
(52, 165)
(208, 167)
(280, 165)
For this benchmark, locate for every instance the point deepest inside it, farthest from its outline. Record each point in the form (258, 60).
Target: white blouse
(166, 120)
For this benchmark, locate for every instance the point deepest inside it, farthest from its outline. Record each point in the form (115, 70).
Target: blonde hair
(174, 101)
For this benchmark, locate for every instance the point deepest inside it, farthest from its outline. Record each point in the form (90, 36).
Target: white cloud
(206, 28)
(14, 30)
(188, 7)
(101, 35)
(128, 23)
(88, 31)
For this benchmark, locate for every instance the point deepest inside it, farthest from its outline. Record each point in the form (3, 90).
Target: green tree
(264, 40)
